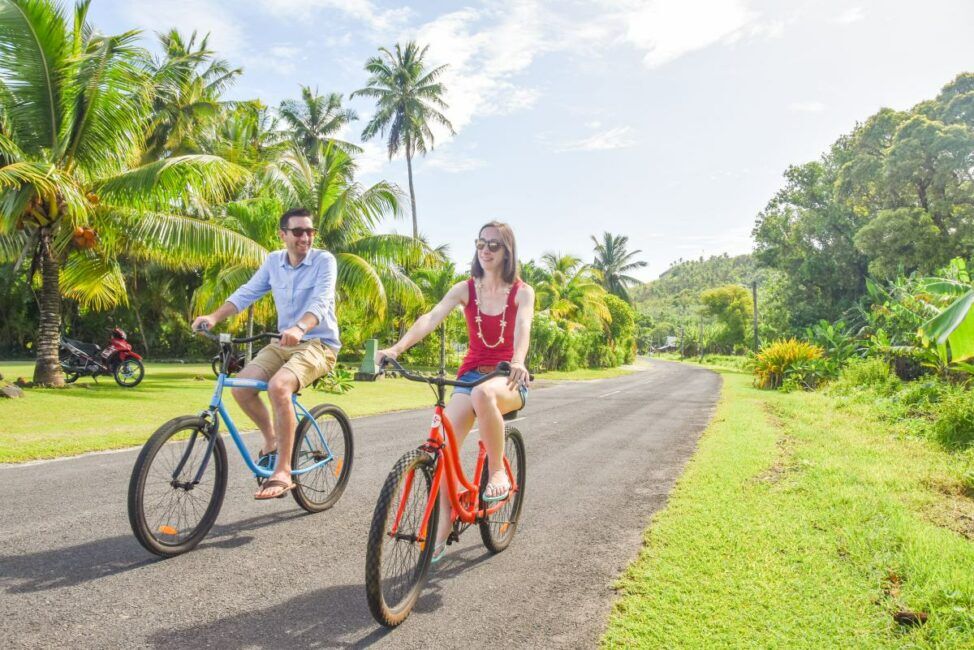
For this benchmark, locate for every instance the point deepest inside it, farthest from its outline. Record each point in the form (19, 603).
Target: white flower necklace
(479, 319)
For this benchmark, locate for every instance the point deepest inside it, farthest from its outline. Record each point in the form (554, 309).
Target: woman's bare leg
(490, 401)
(460, 413)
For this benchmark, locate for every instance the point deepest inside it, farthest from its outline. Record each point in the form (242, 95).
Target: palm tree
(613, 262)
(73, 111)
(407, 101)
(371, 266)
(313, 120)
(187, 83)
(570, 293)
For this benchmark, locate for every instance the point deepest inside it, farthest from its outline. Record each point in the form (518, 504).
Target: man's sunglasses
(297, 232)
(493, 245)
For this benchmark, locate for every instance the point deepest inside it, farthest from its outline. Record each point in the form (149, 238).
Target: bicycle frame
(452, 470)
(216, 408)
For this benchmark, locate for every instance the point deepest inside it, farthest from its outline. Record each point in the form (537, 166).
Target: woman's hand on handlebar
(519, 375)
(382, 355)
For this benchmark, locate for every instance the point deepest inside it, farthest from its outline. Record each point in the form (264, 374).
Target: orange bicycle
(403, 531)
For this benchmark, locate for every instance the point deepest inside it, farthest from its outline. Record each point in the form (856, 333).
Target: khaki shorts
(308, 360)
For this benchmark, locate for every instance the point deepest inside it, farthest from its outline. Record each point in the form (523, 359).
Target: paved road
(602, 457)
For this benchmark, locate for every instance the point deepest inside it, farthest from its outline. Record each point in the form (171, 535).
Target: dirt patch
(784, 461)
(953, 509)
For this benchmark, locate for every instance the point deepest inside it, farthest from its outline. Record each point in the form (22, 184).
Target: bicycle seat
(511, 416)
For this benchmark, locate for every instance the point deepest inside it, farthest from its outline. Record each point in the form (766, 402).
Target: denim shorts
(473, 375)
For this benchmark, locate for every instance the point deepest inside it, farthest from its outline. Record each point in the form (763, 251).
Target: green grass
(91, 417)
(85, 417)
(592, 373)
(798, 524)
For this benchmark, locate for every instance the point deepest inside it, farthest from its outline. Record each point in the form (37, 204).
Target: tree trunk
(47, 368)
(138, 319)
(412, 191)
(138, 315)
(250, 332)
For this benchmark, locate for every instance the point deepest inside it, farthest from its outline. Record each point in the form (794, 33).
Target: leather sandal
(270, 485)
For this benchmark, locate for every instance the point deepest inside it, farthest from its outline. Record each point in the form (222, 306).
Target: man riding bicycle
(302, 279)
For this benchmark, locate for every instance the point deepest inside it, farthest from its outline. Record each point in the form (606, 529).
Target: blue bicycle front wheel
(177, 486)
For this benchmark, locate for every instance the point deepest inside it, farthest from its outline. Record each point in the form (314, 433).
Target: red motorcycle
(79, 359)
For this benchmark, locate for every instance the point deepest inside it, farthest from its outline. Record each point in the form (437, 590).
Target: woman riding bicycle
(499, 308)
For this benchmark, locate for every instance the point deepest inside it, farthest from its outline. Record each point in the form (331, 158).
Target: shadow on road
(68, 566)
(333, 617)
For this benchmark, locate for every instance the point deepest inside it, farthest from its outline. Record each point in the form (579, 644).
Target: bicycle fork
(208, 416)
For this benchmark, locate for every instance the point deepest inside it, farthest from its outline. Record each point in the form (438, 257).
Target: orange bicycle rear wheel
(497, 529)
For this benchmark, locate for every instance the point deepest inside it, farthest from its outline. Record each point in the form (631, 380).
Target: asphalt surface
(602, 458)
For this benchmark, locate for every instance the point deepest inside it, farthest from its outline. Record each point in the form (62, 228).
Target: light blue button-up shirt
(308, 288)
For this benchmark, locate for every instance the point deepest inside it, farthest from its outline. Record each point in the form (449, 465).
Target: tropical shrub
(774, 360)
(806, 374)
(731, 305)
(953, 426)
(835, 339)
(339, 381)
(871, 374)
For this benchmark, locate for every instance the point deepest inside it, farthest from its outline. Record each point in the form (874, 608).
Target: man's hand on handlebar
(206, 322)
(291, 336)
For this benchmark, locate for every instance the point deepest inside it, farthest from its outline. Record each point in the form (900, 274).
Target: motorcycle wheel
(129, 373)
(71, 377)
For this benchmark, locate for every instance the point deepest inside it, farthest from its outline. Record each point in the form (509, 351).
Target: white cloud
(453, 164)
(850, 15)
(204, 16)
(373, 159)
(619, 137)
(453, 159)
(484, 50)
(807, 107)
(379, 21)
(668, 29)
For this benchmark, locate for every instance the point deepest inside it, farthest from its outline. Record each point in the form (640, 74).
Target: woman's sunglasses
(493, 245)
(297, 232)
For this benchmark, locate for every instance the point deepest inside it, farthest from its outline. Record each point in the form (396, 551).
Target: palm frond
(161, 184)
(34, 51)
(93, 281)
(360, 283)
(180, 242)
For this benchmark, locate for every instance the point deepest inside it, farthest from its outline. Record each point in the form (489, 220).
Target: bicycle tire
(498, 529)
(319, 490)
(391, 603)
(152, 530)
(128, 382)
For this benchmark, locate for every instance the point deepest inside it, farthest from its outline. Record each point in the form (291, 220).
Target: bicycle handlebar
(503, 369)
(247, 339)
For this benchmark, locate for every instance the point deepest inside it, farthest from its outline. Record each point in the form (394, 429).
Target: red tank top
(479, 353)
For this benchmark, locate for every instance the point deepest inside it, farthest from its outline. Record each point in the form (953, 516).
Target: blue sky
(670, 121)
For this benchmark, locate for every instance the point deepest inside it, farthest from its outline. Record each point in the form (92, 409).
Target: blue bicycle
(180, 478)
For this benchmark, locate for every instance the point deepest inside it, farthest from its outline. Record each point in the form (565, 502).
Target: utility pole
(754, 296)
(681, 341)
(700, 343)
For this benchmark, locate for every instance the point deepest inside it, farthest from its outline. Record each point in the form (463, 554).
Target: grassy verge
(593, 373)
(86, 416)
(802, 525)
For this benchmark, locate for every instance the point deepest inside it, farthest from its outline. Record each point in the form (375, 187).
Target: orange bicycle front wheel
(398, 556)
